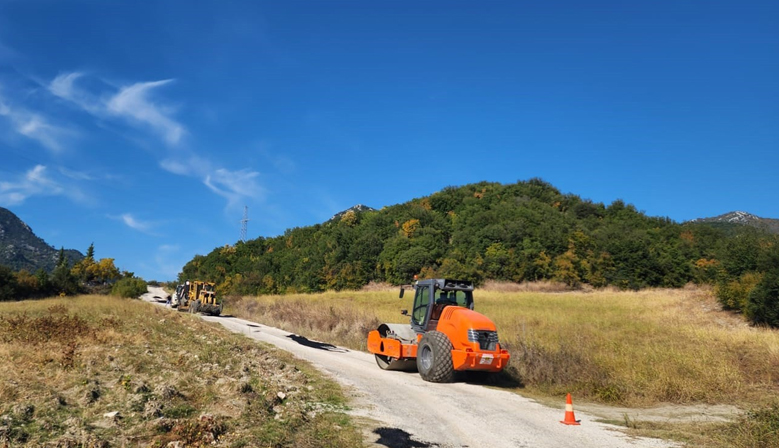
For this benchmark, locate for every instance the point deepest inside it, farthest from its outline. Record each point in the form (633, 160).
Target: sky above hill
(146, 127)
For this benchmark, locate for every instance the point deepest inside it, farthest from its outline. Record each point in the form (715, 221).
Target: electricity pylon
(244, 221)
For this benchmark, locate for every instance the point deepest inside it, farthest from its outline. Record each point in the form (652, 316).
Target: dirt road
(405, 411)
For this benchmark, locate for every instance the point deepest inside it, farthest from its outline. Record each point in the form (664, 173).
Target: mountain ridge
(21, 249)
(359, 208)
(739, 217)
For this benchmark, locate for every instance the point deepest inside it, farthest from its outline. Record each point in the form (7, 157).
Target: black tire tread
(442, 370)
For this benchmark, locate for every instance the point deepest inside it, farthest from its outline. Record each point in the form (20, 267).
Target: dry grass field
(96, 371)
(634, 349)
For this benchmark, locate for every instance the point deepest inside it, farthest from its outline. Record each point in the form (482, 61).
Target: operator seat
(442, 302)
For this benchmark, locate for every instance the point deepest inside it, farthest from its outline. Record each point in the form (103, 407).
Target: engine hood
(465, 319)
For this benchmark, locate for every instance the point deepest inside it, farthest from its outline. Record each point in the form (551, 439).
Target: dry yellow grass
(628, 348)
(637, 348)
(66, 363)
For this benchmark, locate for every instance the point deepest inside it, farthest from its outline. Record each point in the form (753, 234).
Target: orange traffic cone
(569, 417)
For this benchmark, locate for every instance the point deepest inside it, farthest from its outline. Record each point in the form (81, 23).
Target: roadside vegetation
(130, 288)
(97, 371)
(633, 349)
(85, 276)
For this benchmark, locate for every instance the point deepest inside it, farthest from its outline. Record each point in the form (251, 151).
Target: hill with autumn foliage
(525, 231)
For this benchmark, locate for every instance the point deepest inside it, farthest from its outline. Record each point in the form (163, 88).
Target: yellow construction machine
(197, 297)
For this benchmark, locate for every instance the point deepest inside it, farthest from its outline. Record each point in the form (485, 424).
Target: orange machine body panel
(457, 323)
(390, 347)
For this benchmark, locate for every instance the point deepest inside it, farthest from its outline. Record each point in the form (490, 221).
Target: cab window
(421, 301)
(464, 299)
(459, 298)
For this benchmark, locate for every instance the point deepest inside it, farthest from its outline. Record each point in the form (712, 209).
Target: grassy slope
(627, 348)
(65, 363)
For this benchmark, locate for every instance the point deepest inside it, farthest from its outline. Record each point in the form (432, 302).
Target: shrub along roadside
(129, 287)
(87, 276)
(763, 301)
(759, 427)
(753, 290)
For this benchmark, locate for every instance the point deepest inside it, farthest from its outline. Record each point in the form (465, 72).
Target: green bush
(733, 294)
(757, 428)
(762, 305)
(129, 287)
(7, 284)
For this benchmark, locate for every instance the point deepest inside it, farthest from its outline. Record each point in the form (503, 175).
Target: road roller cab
(445, 334)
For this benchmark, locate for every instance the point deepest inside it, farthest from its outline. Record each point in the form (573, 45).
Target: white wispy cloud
(175, 166)
(88, 176)
(187, 164)
(77, 175)
(133, 103)
(236, 186)
(35, 126)
(38, 181)
(136, 105)
(134, 223)
(63, 86)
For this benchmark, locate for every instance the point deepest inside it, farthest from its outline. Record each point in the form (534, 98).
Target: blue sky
(145, 127)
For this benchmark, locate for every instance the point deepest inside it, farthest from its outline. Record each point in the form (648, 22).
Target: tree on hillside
(7, 284)
(62, 280)
(91, 272)
(104, 271)
(27, 284)
(762, 305)
(83, 269)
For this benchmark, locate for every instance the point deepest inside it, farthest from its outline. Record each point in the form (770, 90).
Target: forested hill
(523, 231)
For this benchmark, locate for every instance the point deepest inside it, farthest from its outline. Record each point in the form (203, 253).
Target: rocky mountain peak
(743, 218)
(359, 208)
(20, 248)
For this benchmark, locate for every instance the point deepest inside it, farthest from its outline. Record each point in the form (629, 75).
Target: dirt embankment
(102, 372)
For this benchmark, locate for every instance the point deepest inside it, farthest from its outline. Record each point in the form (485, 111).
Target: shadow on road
(397, 438)
(317, 345)
(506, 379)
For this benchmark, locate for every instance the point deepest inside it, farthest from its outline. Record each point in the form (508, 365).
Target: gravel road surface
(404, 411)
